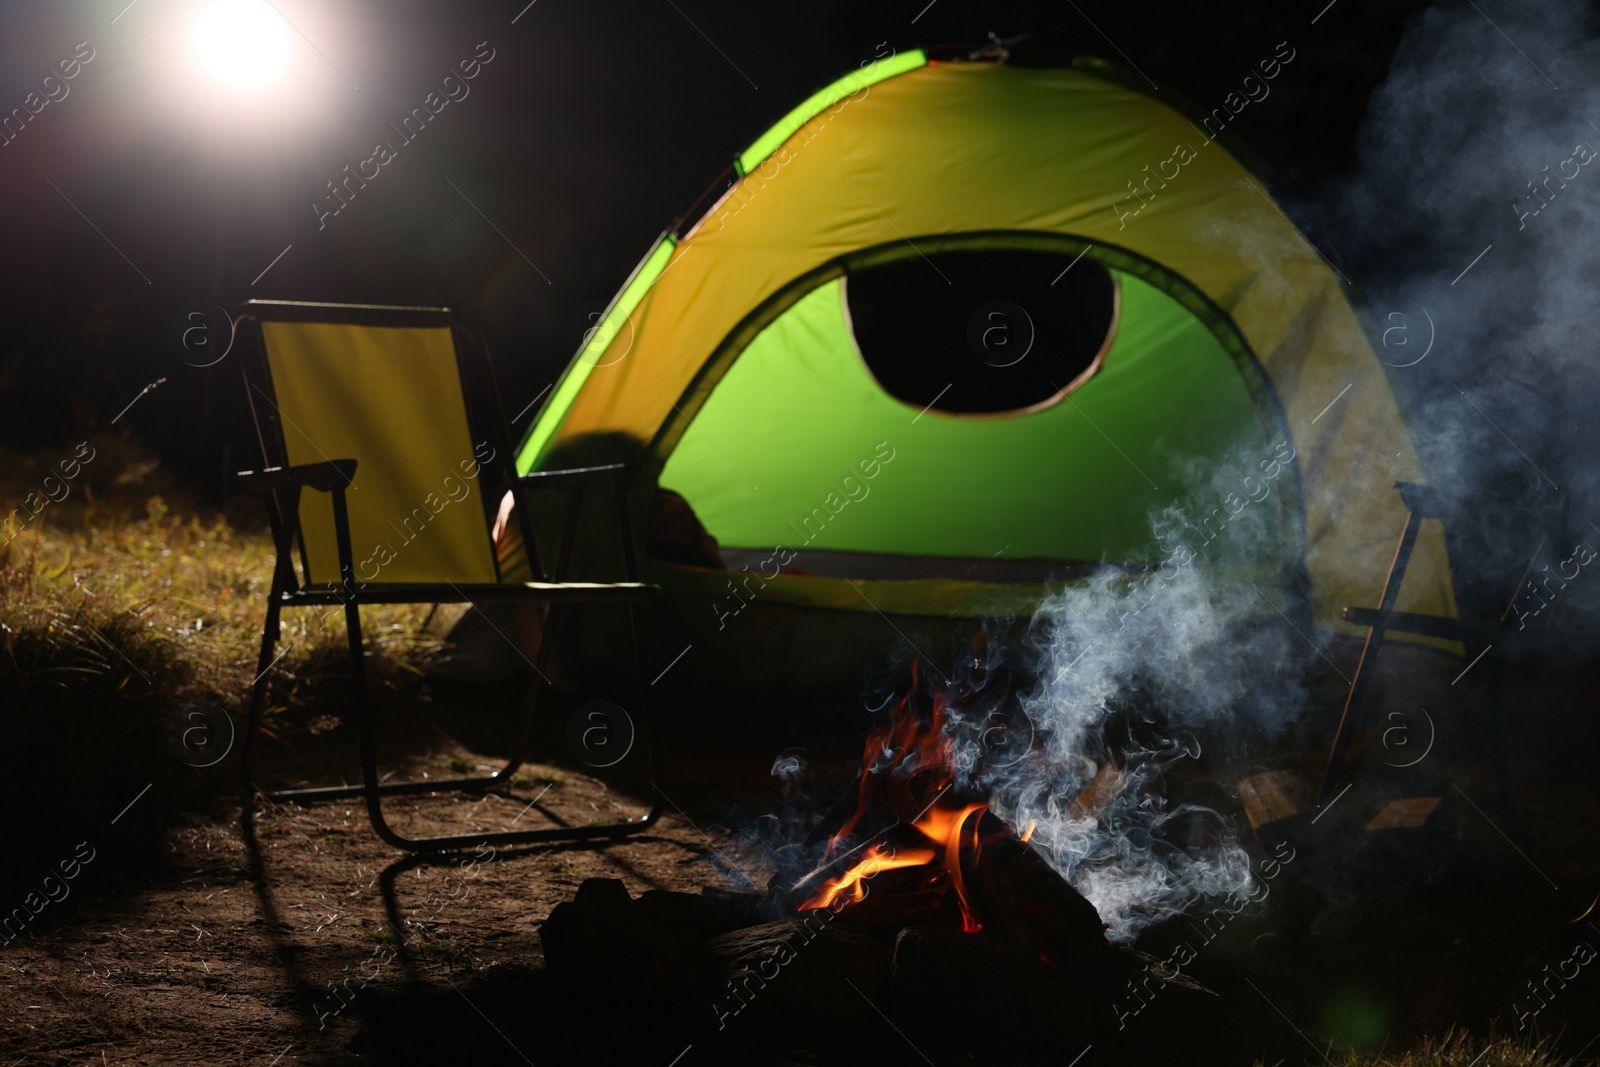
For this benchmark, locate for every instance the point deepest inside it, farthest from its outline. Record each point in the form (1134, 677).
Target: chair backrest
(409, 396)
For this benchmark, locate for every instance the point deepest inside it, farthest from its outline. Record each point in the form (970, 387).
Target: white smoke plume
(1468, 230)
(1135, 679)
(1468, 227)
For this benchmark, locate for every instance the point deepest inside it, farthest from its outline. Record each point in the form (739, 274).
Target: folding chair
(1475, 629)
(386, 456)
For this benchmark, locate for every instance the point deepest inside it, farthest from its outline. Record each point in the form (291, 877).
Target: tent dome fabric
(745, 359)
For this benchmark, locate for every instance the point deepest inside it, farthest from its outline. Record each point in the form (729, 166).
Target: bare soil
(200, 964)
(184, 941)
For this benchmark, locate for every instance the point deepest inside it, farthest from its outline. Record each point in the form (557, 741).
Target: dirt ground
(318, 944)
(202, 965)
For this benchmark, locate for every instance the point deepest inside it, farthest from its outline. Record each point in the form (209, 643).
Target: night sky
(146, 189)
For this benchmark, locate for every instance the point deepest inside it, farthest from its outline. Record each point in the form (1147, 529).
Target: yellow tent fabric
(962, 148)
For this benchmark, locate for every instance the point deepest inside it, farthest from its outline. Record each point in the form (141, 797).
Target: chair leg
(369, 749)
(1352, 718)
(258, 700)
(535, 686)
(373, 791)
(434, 785)
(652, 740)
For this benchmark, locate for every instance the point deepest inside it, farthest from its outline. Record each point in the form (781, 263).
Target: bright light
(241, 43)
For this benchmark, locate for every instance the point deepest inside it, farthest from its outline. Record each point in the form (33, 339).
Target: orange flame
(901, 761)
(908, 766)
(876, 860)
(945, 826)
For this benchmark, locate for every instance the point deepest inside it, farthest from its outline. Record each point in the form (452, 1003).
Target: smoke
(1469, 228)
(1091, 725)
(1134, 678)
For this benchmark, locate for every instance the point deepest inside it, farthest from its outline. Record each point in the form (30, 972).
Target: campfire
(908, 888)
(940, 851)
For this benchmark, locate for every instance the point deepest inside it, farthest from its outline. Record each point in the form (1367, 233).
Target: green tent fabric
(1167, 391)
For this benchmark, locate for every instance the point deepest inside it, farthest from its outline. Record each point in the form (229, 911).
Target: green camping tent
(962, 330)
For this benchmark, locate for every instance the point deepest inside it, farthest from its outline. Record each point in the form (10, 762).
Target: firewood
(601, 932)
(1269, 799)
(1101, 791)
(797, 969)
(1023, 901)
(692, 917)
(910, 896)
(995, 980)
(1406, 813)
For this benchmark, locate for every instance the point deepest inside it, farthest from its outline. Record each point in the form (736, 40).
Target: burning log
(1021, 900)
(891, 891)
(958, 866)
(917, 861)
(942, 857)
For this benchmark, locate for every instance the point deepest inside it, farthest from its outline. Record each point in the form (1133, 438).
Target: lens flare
(242, 43)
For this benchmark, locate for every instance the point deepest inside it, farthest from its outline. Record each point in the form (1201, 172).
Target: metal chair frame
(282, 484)
(1476, 635)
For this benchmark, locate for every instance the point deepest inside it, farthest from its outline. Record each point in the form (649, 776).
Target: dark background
(592, 129)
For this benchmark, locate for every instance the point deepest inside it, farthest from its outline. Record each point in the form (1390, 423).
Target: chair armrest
(322, 476)
(609, 475)
(1409, 622)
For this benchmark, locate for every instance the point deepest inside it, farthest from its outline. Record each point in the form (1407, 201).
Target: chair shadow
(285, 952)
(512, 1013)
(389, 878)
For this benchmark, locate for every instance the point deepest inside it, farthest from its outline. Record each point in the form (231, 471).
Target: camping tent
(960, 330)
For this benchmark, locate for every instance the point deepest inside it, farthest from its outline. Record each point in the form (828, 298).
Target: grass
(133, 977)
(1459, 1049)
(536, 775)
(130, 623)
(448, 952)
